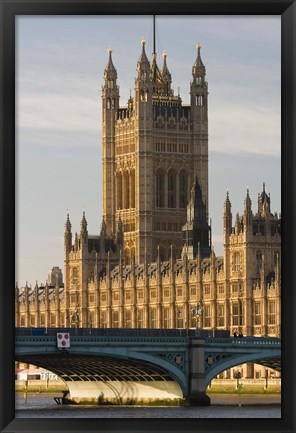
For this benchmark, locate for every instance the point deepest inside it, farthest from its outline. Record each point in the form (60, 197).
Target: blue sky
(60, 63)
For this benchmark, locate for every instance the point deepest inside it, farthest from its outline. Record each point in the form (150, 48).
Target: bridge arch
(89, 374)
(267, 358)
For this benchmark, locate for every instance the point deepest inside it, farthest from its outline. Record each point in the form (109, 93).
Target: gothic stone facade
(153, 260)
(241, 290)
(152, 151)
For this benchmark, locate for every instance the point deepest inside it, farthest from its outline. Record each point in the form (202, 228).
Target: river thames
(222, 406)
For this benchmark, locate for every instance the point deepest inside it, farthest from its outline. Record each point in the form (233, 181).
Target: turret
(237, 224)
(166, 76)
(110, 89)
(143, 87)
(67, 235)
(83, 230)
(110, 106)
(103, 234)
(227, 219)
(248, 211)
(199, 88)
(264, 203)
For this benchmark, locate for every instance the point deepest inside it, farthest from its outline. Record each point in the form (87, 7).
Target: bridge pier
(197, 386)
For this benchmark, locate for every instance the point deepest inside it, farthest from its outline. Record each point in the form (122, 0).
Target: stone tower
(152, 150)
(252, 257)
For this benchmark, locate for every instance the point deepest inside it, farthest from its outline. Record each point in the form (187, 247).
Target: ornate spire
(227, 203)
(110, 71)
(83, 224)
(68, 225)
(103, 227)
(110, 66)
(237, 223)
(198, 69)
(143, 59)
(248, 202)
(165, 70)
(263, 202)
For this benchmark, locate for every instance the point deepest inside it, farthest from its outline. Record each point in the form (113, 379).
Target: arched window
(113, 103)
(132, 189)
(119, 190)
(108, 104)
(159, 188)
(171, 189)
(126, 203)
(183, 189)
(199, 100)
(236, 262)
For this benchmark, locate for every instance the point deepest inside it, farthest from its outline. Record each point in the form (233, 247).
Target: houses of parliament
(152, 261)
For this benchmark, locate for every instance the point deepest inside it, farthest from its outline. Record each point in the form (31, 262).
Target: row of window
(163, 226)
(205, 320)
(237, 318)
(74, 297)
(171, 147)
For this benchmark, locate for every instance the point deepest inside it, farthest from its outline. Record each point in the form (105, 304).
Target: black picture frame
(9, 9)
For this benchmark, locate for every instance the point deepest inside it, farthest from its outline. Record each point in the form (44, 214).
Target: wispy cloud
(63, 112)
(244, 129)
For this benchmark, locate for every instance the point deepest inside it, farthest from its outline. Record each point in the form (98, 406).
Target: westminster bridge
(140, 365)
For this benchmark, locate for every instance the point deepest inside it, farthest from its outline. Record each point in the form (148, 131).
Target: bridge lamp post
(90, 326)
(197, 313)
(266, 378)
(179, 317)
(239, 387)
(75, 318)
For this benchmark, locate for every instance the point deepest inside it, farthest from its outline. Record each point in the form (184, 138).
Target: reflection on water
(44, 406)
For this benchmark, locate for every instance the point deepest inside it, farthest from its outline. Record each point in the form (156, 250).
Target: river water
(222, 406)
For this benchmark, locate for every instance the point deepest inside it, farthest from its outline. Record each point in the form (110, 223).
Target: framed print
(147, 164)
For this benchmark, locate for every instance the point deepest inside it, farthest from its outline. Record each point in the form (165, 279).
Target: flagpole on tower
(154, 44)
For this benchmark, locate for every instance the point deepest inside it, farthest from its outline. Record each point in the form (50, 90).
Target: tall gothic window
(166, 317)
(140, 319)
(237, 262)
(115, 319)
(257, 313)
(235, 315)
(153, 318)
(159, 188)
(221, 314)
(132, 189)
(171, 189)
(128, 319)
(271, 313)
(199, 100)
(119, 191)
(103, 319)
(183, 189)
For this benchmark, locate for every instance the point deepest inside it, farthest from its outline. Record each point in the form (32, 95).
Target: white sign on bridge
(63, 340)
